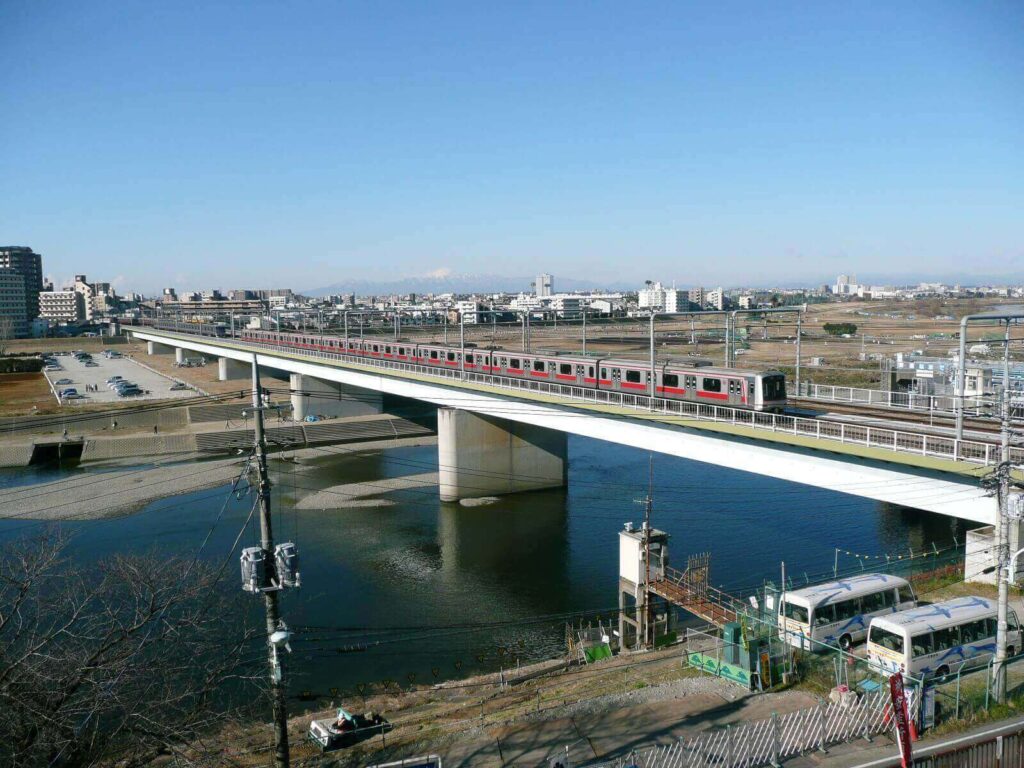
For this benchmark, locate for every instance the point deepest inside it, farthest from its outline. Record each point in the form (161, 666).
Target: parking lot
(154, 386)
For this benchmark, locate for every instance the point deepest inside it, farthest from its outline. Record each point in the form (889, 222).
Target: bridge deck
(868, 449)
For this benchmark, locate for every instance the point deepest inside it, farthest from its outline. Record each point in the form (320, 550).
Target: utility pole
(648, 636)
(654, 377)
(1002, 551)
(799, 328)
(273, 624)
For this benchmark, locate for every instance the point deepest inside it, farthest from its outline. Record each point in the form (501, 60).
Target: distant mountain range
(460, 284)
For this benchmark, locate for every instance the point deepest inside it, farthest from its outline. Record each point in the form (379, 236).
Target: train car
(756, 390)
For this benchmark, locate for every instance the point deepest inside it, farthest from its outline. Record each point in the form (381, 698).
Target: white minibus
(935, 640)
(838, 613)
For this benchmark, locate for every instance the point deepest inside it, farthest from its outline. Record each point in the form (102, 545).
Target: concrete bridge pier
(155, 348)
(313, 396)
(487, 456)
(228, 369)
(179, 355)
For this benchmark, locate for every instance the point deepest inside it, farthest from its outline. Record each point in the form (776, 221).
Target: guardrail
(900, 441)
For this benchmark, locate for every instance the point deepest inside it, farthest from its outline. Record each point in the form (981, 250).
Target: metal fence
(944, 405)
(900, 441)
(769, 741)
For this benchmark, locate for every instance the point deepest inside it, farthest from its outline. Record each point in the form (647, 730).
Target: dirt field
(19, 392)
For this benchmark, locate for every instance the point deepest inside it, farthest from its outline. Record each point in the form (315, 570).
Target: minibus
(839, 612)
(935, 640)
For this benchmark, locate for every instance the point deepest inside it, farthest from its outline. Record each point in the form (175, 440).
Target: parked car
(176, 386)
(91, 364)
(113, 380)
(65, 393)
(60, 382)
(129, 392)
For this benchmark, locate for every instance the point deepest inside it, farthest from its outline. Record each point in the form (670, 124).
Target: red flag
(902, 717)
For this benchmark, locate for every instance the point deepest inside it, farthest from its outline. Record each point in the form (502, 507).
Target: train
(736, 388)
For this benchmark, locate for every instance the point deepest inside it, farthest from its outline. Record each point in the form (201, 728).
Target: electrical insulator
(254, 569)
(286, 561)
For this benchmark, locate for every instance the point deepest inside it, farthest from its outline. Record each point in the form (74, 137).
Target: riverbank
(122, 491)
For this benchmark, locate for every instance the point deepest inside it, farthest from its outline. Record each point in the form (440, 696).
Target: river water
(414, 574)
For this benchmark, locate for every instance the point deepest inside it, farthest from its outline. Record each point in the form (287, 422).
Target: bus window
(887, 639)
(907, 595)
(946, 638)
(824, 614)
(992, 624)
(974, 631)
(670, 380)
(847, 609)
(633, 377)
(538, 365)
(795, 612)
(875, 602)
(712, 385)
(565, 369)
(921, 645)
(1012, 624)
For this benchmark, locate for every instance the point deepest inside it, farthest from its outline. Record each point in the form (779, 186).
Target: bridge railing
(940, 405)
(899, 441)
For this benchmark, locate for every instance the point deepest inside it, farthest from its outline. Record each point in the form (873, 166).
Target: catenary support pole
(584, 331)
(799, 329)
(462, 346)
(277, 687)
(654, 369)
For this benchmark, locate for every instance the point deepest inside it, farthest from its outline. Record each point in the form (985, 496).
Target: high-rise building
(29, 265)
(696, 296)
(88, 293)
(544, 285)
(13, 317)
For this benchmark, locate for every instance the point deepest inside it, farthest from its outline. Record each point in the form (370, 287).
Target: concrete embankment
(90, 496)
(201, 434)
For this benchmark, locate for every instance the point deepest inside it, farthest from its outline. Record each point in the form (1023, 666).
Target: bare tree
(112, 662)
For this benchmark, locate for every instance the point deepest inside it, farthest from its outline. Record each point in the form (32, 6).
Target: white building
(83, 288)
(651, 297)
(469, 311)
(544, 285)
(62, 306)
(715, 299)
(747, 302)
(676, 300)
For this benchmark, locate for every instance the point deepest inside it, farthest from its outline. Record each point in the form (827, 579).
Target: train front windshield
(774, 388)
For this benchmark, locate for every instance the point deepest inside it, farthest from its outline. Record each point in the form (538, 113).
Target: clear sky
(299, 144)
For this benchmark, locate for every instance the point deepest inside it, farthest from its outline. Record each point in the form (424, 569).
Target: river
(397, 573)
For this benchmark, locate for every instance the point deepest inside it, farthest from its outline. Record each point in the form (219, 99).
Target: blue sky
(305, 143)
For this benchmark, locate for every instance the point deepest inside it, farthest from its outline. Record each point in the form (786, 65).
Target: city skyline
(785, 143)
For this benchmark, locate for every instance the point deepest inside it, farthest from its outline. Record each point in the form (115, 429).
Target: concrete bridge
(500, 436)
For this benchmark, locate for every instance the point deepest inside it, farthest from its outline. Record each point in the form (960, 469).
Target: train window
(565, 368)
(514, 363)
(433, 354)
(712, 385)
(633, 377)
(376, 348)
(604, 373)
(750, 390)
(590, 371)
(401, 350)
(538, 365)
(469, 358)
(451, 356)
(670, 380)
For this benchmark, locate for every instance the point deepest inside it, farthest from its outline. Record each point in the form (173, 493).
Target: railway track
(825, 407)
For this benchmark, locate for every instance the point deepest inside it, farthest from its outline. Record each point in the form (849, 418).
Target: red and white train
(757, 390)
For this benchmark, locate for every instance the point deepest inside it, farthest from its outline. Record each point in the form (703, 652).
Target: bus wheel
(942, 671)
(846, 642)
